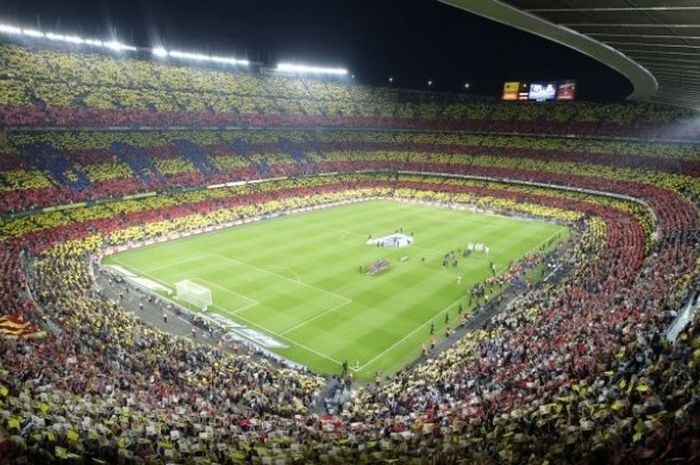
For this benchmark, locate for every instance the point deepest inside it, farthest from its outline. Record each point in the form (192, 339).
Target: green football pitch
(297, 278)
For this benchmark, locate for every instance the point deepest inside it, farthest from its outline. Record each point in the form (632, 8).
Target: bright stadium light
(430, 83)
(229, 61)
(294, 68)
(391, 79)
(7, 29)
(466, 85)
(187, 55)
(32, 33)
(118, 46)
(64, 38)
(52, 36)
(162, 53)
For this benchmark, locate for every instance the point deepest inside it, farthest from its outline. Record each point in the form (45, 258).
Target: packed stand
(52, 87)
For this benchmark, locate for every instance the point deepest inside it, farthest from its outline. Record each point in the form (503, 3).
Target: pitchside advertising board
(540, 91)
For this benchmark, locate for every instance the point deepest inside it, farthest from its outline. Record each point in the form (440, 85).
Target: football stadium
(217, 258)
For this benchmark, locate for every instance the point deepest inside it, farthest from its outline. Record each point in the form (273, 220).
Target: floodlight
(230, 61)
(430, 83)
(391, 79)
(7, 29)
(466, 85)
(32, 33)
(160, 52)
(71, 39)
(64, 38)
(294, 68)
(187, 55)
(74, 39)
(118, 46)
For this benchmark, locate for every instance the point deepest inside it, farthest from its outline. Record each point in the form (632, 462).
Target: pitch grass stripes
(226, 311)
(425, 324)
(302, 273)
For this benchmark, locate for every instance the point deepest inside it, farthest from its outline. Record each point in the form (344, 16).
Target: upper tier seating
(50, 87)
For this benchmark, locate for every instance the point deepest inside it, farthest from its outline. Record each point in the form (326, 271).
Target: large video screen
(542, 91)
(566, 90)
(510, 90)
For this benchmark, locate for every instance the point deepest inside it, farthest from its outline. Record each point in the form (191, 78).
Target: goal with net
(193, 294)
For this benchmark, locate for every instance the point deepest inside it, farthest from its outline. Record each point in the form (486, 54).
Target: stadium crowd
(574, 371)
(118, 163)
(52, 87)
(436, 396)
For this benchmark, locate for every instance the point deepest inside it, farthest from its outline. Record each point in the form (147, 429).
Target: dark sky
(411, 40)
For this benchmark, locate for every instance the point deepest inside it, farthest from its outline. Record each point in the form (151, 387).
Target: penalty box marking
(315, 317)
(172, 263)
(252, 323)
(302, 283)
(252, 302)
(345, 301)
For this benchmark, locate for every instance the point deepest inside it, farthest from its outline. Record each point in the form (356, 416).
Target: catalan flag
(16, 327)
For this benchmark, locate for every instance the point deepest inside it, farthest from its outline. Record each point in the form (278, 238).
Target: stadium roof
(654, 43)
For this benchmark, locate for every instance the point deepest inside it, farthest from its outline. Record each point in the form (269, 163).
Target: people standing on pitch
(449, 259)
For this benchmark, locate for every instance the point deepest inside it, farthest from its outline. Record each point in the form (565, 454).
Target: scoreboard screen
(541, 91)
(566, 90)
(510, 90)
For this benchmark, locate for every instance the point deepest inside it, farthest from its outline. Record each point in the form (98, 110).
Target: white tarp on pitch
(397, 240)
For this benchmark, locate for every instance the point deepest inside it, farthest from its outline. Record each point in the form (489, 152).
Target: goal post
(193, 294)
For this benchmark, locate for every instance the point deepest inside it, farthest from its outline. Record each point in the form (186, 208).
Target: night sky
(409, 40)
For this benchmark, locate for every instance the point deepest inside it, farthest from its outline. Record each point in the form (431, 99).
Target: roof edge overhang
(643, 82)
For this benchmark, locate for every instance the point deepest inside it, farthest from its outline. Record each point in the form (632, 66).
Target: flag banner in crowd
(17, 327)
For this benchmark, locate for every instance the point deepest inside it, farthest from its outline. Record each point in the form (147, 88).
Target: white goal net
(193, 294)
